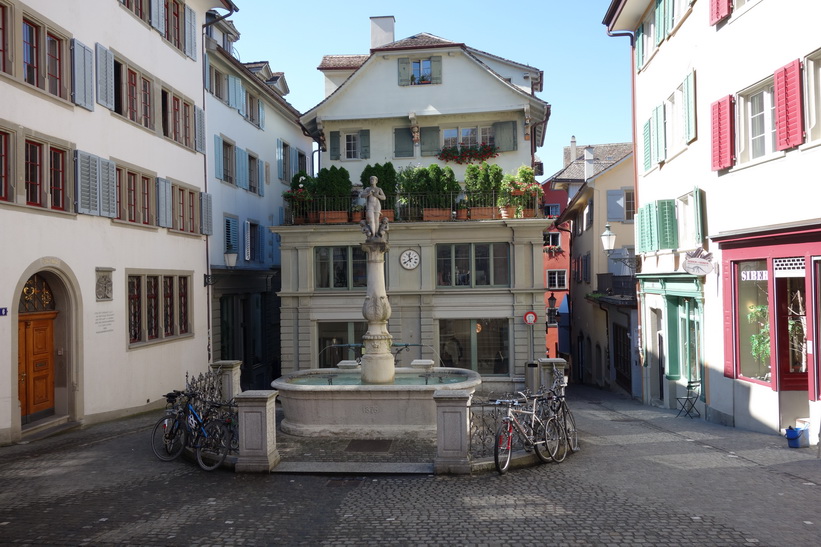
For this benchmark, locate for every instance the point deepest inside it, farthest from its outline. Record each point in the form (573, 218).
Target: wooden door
(36, 363)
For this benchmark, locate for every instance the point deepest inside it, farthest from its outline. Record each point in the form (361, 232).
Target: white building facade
(101, 182)
(727, 130)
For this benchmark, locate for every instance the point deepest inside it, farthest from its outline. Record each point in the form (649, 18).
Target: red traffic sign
(530, 317)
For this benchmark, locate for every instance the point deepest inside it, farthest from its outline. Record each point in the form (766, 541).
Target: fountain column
(378, 361)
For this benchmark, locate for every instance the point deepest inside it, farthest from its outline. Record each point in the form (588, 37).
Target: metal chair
(687, 404)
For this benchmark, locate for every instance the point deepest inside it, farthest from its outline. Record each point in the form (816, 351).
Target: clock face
(409, 259)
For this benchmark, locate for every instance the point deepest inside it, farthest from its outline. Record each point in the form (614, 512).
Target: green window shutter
(402, 142)
(206, 214)
(638, 228)
(108, 188)
(659, 20)
(86, 174)
(82, 70)
(667, 224)
(219, 170)
(190, 33)
(436, 69)
(364, 144)
(429, 137)
(334, 145)
(697, 217)
(164, 213)
(648, 146)
(504, 133)
(199, 130)
(280, 164)
(640, 47)
(651, 221)
(689, 92)
(242, 168)
(404, 65)
(669, 16)
(105, 77)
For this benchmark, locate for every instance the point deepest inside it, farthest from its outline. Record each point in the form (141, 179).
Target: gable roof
(604, 156)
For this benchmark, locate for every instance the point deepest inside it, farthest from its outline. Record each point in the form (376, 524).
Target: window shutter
(698, 233)
(689, 96)
(615, 205)
(719, 10)
(247, 242)
(280, 164)
(242, 167)
(429, 141)
(219, 169)
(260, 177)
(404, 70)
(206, 214)
(651, 242)
(659, 145)
(669, 16)
(261, 114)
(199, 129)
(294, 163)
(789, 114)
(241, 98)
(436, 69)
(231, 235)
(108, 188)
(232, 92)
(402, 142)
(365, 144)
(648, 146)
(660, 27)
(105, 77)
(86, 174)
(158, 15)
(723, 133)
(82, 86)
(190, 33)
(164, 203)
(504, 133)
(640, 47)
(639, 234)
(667, 225)
(334, 145)
(206, 65)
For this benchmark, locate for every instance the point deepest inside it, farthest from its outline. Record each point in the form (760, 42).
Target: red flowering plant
(521, 190)
(299, 195)
(468, 154)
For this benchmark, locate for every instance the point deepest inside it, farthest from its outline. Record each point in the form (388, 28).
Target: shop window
(791, 321)
(339, 341)
(753, 319)
(482, 345)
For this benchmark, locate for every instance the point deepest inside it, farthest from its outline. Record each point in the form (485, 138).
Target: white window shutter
(206, 214)
(190, 33)
(86, 174)
(108, 188)
(105, 77)
(158, 15)
(82, 75)
(199, 130)
(164, 213)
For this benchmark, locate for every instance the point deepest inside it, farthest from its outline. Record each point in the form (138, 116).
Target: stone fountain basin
(369, 411)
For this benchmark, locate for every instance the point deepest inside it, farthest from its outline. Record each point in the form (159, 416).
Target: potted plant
(521, 194)
(299, 197)
(332, 193)
(483, 184)
(440, 188)
(462, 210)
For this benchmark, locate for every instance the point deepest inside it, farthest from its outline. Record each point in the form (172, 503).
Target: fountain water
(380, 400)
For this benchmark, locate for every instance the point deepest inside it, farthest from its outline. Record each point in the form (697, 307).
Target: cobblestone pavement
(642, 477)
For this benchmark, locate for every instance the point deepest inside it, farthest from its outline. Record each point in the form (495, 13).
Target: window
(335, 340)
(253, 174)
(759, 122)
(284, 163)
(185, 209)
(552, 210)
(552, 239)
(43, 54)
(135, 196)
(813, 74)
(219, 84)
(340, 267)
(4, 166)
(173, 30)
(468, 136)
(688, 220)
(140, 8)
(4, 46)
(351, 146)
(420, 71)
(54, 64)
(176, 118)
(753, 319)
(34, 173)
(657, 227)
(621, 205)
(482, 345)
(253, 109)
(556, 279)
(132, 90)
(31, 71)
(155, 311)
(231, 236)
(227, 171)
(472, 265)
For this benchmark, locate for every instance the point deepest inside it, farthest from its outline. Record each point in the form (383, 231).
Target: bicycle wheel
(213, 446)
(540, 441)
(168, 439)
(570, 428)
(552, 437)
(503, 447)
(561, 449)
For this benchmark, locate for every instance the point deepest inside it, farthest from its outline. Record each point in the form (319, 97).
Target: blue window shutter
(108, 188)
(648, 146)
(232, 91)
(247, 241)
(231, 235)
(404, 70)
(206, 66)
(436, 69)
(190, 33)
(86, 175)
(105, 77)
(615, 205)
(504, 134)
(261, 114)
(364, 144)
(242, 167)
(640, 47)
(199, 129)
(429, 141)
(219, 169)
(280, 164)
(206, 214)
(402, 142)
(158, 15)
(260, 177)
(164, 203)
(689, 96)
(334, 145)
(667, 224)
(294, 163)
(82, 75)
(241, 97)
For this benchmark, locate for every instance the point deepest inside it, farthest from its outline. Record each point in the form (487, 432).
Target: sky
(586, 72)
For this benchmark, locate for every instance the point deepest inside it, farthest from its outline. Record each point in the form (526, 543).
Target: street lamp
(608, 242)
(552, 316)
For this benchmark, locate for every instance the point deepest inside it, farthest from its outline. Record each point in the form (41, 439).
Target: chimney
(382, 31)
(572, 149)
(588, 163)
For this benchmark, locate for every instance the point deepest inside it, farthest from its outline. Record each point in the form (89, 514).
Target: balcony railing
(416, 208)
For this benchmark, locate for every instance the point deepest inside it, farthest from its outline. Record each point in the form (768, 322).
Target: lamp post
(608, 243)
(552, 316)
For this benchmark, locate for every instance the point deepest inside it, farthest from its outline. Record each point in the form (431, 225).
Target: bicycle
(532, 431)
(182, 426)
(565, 423)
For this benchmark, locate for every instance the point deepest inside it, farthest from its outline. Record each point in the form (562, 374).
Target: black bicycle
(183, 426)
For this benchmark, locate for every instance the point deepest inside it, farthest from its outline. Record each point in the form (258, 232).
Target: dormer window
(420, 71)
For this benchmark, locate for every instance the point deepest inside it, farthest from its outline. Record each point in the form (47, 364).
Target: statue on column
(372, 226)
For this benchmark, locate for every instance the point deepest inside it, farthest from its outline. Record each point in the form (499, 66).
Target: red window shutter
(719, 10)
(789, 114)
(723, 133)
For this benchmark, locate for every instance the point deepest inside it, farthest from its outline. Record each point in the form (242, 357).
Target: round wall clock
(409, 259)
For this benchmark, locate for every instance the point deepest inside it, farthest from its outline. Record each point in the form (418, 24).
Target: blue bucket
(793, 435)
